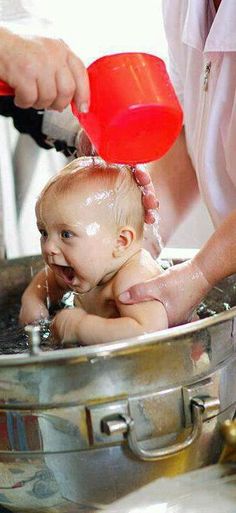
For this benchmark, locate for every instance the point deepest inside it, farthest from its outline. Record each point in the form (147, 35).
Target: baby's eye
(43, 233)
(66, 234)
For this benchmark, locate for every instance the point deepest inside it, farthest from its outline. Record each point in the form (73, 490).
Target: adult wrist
(198, 277)
(207, 266)
(187, 287)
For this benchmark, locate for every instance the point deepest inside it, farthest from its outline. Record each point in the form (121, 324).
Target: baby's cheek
(107, 242)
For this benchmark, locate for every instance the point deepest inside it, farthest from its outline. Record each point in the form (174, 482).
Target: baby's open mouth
(65, 272)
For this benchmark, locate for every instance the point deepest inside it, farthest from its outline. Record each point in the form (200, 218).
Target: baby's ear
(126, 236)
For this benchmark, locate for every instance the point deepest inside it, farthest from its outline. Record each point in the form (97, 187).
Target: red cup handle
(5, 89)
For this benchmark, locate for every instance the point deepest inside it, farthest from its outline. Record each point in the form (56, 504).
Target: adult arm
(183, 286)
(175, 184)
(172, 181)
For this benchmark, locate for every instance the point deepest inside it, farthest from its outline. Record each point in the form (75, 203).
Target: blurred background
(92, 28)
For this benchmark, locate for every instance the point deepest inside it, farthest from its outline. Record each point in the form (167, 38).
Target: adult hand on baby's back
(179, 289)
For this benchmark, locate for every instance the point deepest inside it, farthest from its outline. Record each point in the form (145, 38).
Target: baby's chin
(83, 288)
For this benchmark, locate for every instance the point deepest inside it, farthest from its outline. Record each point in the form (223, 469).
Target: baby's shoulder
(139, 268)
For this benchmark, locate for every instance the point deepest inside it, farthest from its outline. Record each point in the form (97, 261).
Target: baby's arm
(43, 288)
(75, 325)
(78, 326)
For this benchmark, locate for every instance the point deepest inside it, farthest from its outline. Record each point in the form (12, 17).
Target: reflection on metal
(34, 338)
(197, 408)
(75, 424)
(208, 490)
(228, 431)
(206, 392)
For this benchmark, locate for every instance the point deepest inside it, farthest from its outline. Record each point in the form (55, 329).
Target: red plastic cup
(134, 115)
(5, 89)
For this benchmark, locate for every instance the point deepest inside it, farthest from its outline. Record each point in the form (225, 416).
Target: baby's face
(77, 238)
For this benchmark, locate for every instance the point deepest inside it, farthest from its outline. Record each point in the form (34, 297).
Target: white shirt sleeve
(172, 15)
(21, 17)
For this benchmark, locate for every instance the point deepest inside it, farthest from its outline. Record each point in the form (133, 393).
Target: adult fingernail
(83, 107)
(124, 297)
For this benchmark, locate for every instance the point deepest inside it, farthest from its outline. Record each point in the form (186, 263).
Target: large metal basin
(81, 427)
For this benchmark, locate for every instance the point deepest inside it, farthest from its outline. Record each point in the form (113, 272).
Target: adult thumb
(138, 293)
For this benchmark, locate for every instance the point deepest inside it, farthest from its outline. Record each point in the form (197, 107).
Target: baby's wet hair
(126, 200)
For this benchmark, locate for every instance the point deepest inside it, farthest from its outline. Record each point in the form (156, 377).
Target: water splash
(151, 239)
(48, 301)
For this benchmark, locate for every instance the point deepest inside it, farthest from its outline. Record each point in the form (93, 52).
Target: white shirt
(202, 48)
(23, 17)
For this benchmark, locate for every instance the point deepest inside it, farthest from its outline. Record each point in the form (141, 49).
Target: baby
(91, 221)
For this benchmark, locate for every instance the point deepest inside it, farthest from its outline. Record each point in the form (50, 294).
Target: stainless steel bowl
(81, 427)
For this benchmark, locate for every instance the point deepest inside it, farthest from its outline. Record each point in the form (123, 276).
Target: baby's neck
(121, 262)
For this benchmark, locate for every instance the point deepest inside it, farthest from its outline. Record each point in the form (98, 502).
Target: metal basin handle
(198, 409)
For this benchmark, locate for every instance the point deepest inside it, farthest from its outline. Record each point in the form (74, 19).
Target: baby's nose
(51, 247)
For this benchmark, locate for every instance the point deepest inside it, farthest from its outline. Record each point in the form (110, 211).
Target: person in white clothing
(202, 44)
(46, 75)
(202, 47)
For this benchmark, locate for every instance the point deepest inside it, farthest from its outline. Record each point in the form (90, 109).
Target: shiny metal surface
(228, 430)
(210, 490)
(34, 338)
(198, 407)
(54, 451)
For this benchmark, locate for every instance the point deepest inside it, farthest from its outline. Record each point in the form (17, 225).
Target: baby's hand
(32, 310)
(65, 325)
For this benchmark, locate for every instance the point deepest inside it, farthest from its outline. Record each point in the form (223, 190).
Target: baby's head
(110, 189)
(95, 199)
